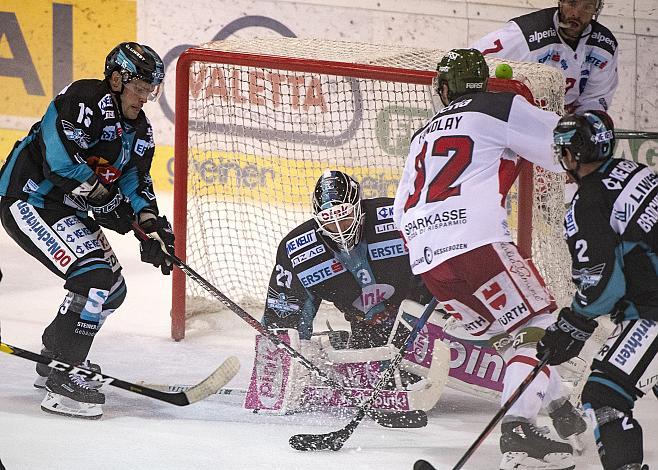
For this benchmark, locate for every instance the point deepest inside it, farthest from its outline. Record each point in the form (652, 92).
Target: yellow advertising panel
(45, 45)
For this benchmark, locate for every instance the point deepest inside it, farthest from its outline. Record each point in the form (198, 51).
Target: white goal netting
(266, 116)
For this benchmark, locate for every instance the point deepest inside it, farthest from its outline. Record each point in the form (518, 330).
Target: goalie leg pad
(277, 380)
(474, 367)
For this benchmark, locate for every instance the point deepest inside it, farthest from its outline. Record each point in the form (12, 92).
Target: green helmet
(464, 71)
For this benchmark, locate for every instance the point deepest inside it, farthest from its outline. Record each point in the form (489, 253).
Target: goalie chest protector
(376, 271)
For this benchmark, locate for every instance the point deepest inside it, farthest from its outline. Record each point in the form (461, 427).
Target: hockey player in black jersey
(90, 153)
(611, 232)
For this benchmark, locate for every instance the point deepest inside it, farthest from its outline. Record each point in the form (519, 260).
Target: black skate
(70, 395)
(43, 371)
(525, 448)
(570, 425)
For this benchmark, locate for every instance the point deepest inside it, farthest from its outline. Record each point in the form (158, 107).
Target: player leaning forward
(450, 207)
(92, 150)
(351, 255)
(611, 232)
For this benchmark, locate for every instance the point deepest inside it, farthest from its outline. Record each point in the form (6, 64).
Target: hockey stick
(241, 392)
(391, 419)
(636, 135)
(335, 440)
(215, 381)
(424, 465)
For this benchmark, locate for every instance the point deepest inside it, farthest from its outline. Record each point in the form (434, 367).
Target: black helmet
(464, 71)
(136, 62)
(590, 137)
(337, 198)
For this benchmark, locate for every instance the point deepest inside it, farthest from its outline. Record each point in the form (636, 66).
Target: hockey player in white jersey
(569, 38)
(450, 208)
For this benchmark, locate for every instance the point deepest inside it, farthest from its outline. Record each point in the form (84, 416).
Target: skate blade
(64, 406)
(521, 461)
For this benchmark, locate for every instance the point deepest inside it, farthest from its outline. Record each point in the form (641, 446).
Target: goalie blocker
(443, 353)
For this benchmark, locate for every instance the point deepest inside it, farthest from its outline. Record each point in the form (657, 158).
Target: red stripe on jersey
(531, 361)
(508, 170)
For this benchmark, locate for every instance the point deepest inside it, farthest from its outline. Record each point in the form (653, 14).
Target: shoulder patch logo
(78, 136)
(587, 277)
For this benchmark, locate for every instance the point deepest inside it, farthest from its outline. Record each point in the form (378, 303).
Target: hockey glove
(565, 338)
(116, 214)
(161, 239)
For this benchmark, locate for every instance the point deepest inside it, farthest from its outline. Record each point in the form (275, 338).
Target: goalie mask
(137, 62)
(337, 209)
(462, 71)
(589, 138)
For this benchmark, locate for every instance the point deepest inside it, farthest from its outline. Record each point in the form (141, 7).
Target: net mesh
(261, 134)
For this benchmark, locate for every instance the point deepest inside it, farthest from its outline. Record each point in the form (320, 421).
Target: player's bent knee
(618, 434)
(93, 275)
(117, 295)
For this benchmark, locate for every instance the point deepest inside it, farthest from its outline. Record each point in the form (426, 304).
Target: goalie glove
(161, 240)
(565, 338)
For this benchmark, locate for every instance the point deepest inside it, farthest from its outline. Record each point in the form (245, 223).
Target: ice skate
(43, 371)
(71, 395)
(570, 425)
(525, 448)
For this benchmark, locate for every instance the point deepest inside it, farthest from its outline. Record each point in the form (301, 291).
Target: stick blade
(400, 419)
(423, 465)
(218, 379)
(329, 441)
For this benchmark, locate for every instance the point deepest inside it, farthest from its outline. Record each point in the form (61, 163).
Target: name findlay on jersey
(445, 123)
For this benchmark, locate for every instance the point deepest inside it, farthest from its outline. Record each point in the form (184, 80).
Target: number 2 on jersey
(459, 152)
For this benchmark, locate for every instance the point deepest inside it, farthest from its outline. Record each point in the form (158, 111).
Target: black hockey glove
(565, 338)
(116, 214)
(161, 237)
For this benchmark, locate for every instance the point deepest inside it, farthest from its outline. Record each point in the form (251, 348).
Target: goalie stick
(215, 381)
(335, 440)
(424, 465)
(391, 419)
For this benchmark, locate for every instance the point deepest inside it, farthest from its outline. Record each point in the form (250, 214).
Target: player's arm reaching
(530, 134)
(289, 304)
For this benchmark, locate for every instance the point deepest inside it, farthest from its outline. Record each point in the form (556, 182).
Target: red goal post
(256, 122)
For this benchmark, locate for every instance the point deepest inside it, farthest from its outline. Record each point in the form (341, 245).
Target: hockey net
(258, 120)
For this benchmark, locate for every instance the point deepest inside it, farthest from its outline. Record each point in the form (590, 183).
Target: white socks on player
(530, 402)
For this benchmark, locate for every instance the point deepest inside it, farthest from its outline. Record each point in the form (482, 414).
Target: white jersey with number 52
(461, 164)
